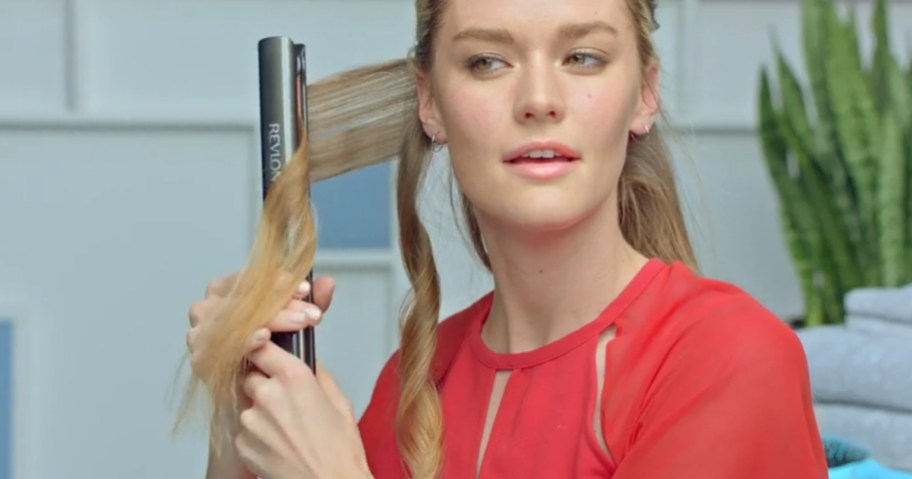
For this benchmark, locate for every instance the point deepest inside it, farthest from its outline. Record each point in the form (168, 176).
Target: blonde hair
(369, 115)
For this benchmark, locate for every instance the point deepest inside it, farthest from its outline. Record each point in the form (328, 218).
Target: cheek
(469, 114)
(608, 109)
(474, 127)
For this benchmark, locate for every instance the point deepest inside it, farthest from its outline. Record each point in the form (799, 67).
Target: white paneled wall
(128, 175)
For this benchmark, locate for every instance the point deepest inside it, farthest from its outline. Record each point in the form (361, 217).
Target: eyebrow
(569, 31)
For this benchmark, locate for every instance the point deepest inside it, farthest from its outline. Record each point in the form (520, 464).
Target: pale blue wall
(6, 382)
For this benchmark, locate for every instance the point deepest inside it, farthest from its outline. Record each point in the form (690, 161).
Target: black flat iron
(283, 106)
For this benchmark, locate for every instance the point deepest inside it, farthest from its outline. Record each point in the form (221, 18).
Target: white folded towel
(878, 326)
(890, 304)
(851, 367)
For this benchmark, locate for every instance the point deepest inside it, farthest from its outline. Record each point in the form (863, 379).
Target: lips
(542, 152)
(542, 161)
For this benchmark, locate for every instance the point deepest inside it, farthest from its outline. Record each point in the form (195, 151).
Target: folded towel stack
(852, 367)
(861, 373)
(883, 311)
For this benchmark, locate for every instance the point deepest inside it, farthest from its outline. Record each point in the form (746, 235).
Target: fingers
(323, 289)
(221, 286)
(194, 347)
(275, 362)
(203, 310)
(192, 334)
(297, 315)
(197, 312)
(254, 385)
(334, 392)
(258, 339)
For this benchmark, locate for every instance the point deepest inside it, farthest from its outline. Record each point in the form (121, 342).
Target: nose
(539, 97)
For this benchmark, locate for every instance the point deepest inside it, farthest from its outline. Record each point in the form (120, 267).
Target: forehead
(532, 15)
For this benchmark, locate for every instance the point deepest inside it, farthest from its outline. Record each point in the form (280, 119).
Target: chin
(539, 218)
(542, 208)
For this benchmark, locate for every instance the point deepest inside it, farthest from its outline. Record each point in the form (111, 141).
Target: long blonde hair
(369, 115)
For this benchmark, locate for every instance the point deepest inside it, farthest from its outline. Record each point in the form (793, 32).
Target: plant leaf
(881, 54)
(791, 206)
(832, 207)
(891, 202)
(856, 128)
(836, 270)
(814, 34)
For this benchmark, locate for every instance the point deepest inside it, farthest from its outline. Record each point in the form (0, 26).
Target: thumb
(334, 392)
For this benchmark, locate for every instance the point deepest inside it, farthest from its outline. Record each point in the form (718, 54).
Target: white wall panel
(723, 75)
(734, 212)
(109, 241)
(670, 40)
(733, 39)
(33, 69)
(207, 58)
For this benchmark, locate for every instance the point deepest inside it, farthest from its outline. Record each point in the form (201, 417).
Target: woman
(599, 352)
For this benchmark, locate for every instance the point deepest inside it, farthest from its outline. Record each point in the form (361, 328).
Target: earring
(646, 127)
(436, 147)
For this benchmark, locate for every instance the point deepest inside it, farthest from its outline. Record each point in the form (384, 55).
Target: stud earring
(435, 146)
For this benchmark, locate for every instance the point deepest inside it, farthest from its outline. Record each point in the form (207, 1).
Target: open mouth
(542, 152)
(543, 161)
(542, 156)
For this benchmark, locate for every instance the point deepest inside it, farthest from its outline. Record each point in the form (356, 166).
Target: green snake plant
(838, 149)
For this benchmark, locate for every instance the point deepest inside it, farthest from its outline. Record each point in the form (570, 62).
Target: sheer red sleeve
(730, 399)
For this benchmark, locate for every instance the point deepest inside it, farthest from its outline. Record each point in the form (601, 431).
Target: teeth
(541, 154)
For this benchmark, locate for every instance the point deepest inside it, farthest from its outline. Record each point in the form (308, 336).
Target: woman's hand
(299, 425)
(295, 316)
(296, 424)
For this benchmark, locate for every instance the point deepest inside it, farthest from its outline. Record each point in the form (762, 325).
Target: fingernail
(298, 317)
(304, 288)
(261, 334)
(313, 313)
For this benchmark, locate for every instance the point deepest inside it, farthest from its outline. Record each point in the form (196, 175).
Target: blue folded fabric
(867, 469)
(849, 460)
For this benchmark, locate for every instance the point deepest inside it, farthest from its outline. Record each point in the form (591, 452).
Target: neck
(548, 285)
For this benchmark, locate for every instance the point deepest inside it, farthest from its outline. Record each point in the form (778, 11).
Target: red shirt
(700, 381)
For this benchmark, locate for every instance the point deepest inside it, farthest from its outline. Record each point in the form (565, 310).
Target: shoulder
(682, 312)
(688, 335)
(704, 361)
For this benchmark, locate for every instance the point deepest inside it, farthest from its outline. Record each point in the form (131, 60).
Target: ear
(427, 109)
(648, 107)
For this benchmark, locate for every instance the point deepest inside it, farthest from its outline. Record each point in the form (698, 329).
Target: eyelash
(473, 63)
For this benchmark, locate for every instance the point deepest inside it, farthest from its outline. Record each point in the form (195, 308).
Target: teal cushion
(867, 469)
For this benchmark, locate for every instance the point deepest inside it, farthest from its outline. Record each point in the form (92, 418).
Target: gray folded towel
(853, 367)
(879, 326)
(887, 434)
(890, 304)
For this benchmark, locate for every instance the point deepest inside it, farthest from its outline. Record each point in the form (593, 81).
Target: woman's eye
(586, 60)
(484, 63)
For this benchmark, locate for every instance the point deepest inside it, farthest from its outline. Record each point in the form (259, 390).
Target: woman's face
(519, 78)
